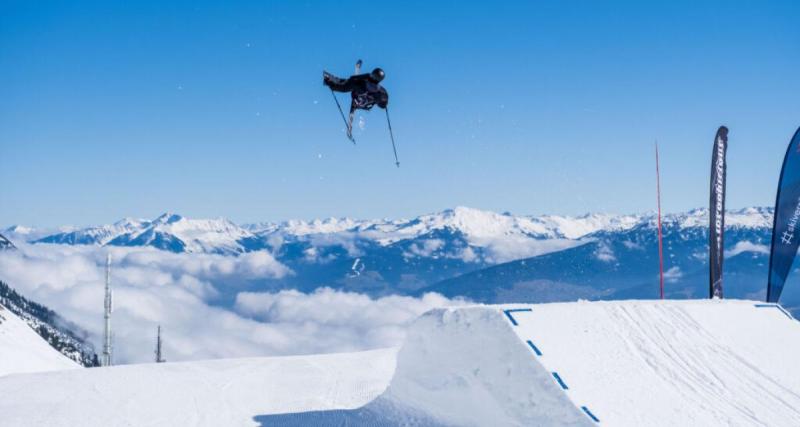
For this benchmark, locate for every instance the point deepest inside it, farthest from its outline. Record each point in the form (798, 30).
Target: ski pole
(391, 135)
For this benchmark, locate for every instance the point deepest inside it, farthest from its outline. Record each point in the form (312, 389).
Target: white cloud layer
(747, 246)
(153, 287)
(510, 248)
(329, 319)
(673, 274)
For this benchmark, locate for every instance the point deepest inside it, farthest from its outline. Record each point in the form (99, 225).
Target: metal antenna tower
(109, 307)
(159, 358)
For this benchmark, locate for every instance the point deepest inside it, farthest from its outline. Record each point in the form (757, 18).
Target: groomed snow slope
(230, 392)
(668, 363)
(22, 350)
(625, 363)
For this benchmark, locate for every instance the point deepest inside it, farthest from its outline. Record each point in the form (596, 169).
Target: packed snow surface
(669, 363)
(232, 392)
(622, 363)
(23, 350)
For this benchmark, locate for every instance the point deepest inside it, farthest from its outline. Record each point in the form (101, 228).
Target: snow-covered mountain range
(504, 233)
(481, 228)
(463, 251)
(624, 264)
(168, 232)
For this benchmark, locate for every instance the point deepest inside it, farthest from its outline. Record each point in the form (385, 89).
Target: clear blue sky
(112, 109)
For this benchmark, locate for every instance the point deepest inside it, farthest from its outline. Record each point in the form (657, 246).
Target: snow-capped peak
(753, 217)
(577, 227)
(19, 230)
(320, 226)
(130, 223)
(167, 218)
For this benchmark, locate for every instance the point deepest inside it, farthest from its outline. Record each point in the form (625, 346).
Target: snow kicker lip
(458, 367)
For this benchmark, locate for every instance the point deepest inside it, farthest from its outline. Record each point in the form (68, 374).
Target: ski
(341, 112)
(352, 108)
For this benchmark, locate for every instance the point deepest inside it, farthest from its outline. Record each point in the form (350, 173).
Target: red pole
(660, 238)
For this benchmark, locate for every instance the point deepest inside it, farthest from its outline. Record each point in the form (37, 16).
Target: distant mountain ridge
(179, 234)
(612, 265)
(457, 251)
(169, 232)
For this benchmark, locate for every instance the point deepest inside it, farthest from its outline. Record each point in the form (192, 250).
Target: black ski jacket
(364, 91)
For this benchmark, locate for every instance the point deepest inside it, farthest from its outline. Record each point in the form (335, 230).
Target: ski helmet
(377, 74)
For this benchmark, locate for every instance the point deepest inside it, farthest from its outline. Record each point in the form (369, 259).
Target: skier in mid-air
(365, 92)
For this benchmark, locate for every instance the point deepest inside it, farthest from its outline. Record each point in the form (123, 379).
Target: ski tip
(397, 164)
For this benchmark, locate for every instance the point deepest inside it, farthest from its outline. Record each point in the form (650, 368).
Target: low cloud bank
(327, 318)
(153, 287)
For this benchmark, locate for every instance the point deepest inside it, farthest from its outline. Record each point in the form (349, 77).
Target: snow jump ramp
(622, 363)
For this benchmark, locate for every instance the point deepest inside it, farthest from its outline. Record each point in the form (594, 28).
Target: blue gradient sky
(113, 109)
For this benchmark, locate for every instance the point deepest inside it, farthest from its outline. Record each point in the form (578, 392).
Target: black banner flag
(716, 213)
(785, 232)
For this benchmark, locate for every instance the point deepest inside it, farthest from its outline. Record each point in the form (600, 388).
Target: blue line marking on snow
(590, 414)
(535, 349)
(560, 381)
(789, 315)
(514, 310)
(783, 310)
